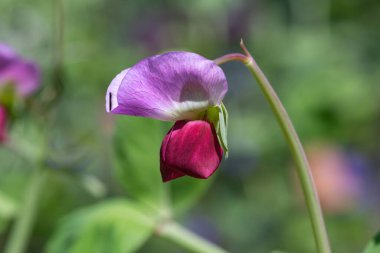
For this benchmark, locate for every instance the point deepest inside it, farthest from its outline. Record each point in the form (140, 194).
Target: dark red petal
(167, 173)
(3, 124)
(191, 148)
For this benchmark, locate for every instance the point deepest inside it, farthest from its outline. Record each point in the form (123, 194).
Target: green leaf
(8, 210)
(116, 226)
(137, 145)
(374, 245)
(8, 206)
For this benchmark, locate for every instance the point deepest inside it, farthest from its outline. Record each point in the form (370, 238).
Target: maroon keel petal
(167, 173)
(191, 148)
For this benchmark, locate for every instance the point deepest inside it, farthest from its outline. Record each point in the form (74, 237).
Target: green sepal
(10, 100)
(223, 125)
(212, 115)
(218, 116)
(8, 95)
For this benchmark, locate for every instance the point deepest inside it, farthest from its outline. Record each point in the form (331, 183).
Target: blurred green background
(323, 58)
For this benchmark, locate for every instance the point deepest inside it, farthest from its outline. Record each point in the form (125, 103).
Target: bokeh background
(323, 58)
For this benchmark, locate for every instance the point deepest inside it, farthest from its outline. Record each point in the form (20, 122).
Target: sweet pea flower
(18, 79)
(18, 72)
(187, 89)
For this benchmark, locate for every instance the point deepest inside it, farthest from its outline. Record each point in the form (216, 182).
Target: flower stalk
(302, 165)
(18, 240)
(187, 239)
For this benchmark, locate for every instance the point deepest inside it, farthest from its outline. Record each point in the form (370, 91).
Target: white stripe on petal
(111, 96)
(188, 109)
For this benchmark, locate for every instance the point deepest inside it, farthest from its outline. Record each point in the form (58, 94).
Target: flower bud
(190, 148)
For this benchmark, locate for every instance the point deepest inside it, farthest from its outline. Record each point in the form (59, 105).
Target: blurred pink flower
(337, 184)
(21, 75)
(17, 71)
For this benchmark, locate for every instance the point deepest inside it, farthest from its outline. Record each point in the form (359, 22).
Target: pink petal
(17, 71)
(191, 148)
(3, 124)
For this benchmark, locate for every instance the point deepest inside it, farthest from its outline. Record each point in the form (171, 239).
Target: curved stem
(230, 57)
(302, 165)
(22, 228)
(187, 239)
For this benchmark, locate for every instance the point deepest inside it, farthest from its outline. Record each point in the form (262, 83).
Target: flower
(18, 78)
(18, 72)
(338, 185)
(183, 87)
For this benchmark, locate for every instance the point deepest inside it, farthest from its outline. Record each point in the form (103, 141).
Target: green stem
(58, 48)
(187, 239)
(302, 165)
(23, 226)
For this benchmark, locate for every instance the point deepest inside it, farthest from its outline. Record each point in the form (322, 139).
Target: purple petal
(171, 86)
(17, 71)
(7, 56)
(6, 51)
(24, 75)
